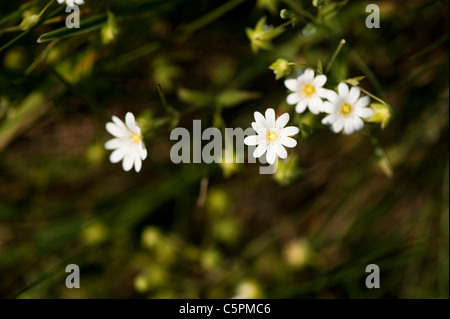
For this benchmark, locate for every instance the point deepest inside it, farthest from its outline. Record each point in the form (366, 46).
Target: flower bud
(286, 14)
(29, 21)
(110, 30)
(281, 68)
(382, 114)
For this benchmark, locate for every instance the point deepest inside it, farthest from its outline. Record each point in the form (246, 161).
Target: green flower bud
(110, 30)
(382, 114)
(280, 67)
(269, 5)
(29, 21)
(261, 36)
(286, 14)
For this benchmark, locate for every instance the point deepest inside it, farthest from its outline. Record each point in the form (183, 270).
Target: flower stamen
(308, 90)
(135, 138)
(346, 109)
(272, 135)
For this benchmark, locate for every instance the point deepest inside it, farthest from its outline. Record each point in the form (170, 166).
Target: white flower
(70, 3)
(308, 92)
(272, 135)
(346, 109)
(127, 144)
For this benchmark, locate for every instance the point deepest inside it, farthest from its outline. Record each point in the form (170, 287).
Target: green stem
(376, 98)
(45, 8)
(336, 52)
(299, 9)
(210, 17)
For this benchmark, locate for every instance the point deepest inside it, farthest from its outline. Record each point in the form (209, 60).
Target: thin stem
(45, 8)
(211, 16)
(376, 98)
(336, 52)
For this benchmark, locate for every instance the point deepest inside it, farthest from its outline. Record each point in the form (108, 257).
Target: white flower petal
(329, 107)
(119, 122)
(293, 98)
(362, 102)
(353, 95)
(260, 150)
(320, 81)
(348, 127)
(255, 127)
(282, 121)
(114, 130)
(330, 119)
(363, 112)
(113, 144)
(308, 76)
(291, 84)
(343, 90)
(117, 155)
(301, 107)
(315, 105)
(271, 154)
(131, 123)
(127, 163)
(338, 125)
(260, 120)
(281, 151)
(270, 117)
(288, 141)
(333, 97)
(323, 93)
(358, 124)
(288, 131)
(253, 140)
(143, 151)
(137, 164)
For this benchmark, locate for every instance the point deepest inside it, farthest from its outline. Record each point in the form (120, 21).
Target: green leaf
(87, 25)
(355, 81)
(309, 29)
(232, 97)
(196, 98)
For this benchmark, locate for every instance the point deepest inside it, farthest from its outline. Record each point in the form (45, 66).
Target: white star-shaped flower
(272, 136)
(346, 109)
(308, 92)
(127, 144)
(70, 3)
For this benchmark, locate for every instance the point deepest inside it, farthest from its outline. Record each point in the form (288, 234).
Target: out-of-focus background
(379, 196)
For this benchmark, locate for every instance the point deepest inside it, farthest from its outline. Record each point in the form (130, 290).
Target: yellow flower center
(272, 135)
(308, 90)
(136, 138)
(346, 109)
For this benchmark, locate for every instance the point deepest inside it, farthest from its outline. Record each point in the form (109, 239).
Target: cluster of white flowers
(70, 3)
(345, 108)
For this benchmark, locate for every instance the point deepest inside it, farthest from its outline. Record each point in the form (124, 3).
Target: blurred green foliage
(209, 231)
